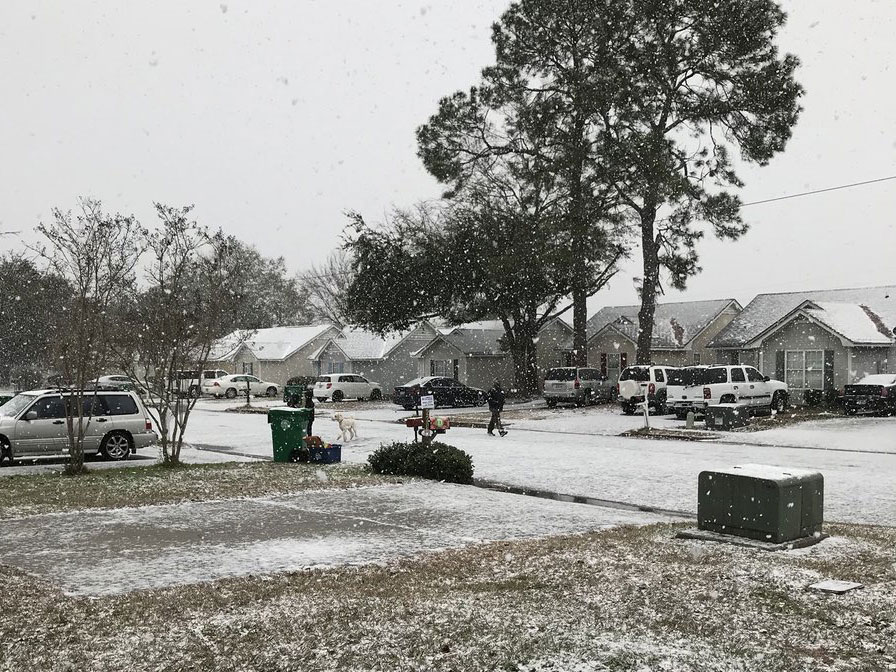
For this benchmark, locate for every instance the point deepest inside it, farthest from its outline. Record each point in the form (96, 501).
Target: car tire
(230, 393)
(338, 396)
(116, 446)
(552, 403)
(628, 409)
(5, 453)
(376, 394)
(779, 402)
(271, 391)
(660, 403)
(589, 399)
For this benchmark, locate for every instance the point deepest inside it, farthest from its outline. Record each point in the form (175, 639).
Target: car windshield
(561, 374)
(639, 373)
(17, 404)
(686, 377)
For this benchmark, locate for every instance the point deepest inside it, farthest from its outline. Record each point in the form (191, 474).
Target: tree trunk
(651, 267)
(525, 364)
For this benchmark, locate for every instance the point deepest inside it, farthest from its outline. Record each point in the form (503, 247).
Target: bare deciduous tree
(326, 286)
(96, 254)
(191, 281)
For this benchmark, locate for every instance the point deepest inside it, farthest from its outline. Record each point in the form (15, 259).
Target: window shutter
(456, 369)
(828, 369)
(432, 367)
(779, 365)
(623, 360)
(603, 363)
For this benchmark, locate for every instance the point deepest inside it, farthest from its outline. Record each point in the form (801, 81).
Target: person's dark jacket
(496, 399)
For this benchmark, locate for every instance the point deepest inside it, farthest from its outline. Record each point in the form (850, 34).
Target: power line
(819, 191)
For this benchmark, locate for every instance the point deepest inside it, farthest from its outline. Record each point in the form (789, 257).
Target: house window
(441, 367)
(696, 359)
(335, 367)
(614, 366)
(247, 368)
(804, 369)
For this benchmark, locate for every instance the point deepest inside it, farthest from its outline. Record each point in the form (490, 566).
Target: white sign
(427, 401)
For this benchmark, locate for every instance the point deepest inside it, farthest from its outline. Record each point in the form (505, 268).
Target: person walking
(496, 405)
(309, 404)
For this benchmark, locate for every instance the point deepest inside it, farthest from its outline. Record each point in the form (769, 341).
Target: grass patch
(157, 484)
(621, 599)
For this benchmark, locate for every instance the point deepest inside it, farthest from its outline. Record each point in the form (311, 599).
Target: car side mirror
(766, 379)
(31, 415)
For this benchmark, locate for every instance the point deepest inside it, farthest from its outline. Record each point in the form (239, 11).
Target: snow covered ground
(107, 552)
(662, 474)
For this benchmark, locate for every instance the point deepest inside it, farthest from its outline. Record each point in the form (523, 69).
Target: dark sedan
(872, 394)
(447, 392)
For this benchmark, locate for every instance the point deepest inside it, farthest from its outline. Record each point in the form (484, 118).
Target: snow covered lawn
(619, 599)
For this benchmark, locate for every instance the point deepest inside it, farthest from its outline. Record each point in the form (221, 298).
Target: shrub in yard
(438, 461)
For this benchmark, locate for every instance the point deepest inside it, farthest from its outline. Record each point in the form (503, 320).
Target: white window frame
(804, 371)
(443, 368)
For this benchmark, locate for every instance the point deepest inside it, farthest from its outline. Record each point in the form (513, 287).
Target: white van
(640, 382)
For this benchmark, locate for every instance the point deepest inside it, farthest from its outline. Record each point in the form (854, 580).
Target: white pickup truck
(694, 388)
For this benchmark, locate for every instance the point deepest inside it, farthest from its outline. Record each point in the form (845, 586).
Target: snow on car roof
(879, 379)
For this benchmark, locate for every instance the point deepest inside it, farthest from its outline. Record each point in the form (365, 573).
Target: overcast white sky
(275, 117)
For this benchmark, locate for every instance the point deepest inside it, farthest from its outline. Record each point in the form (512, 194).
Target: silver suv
(33, 424)
(577, 385)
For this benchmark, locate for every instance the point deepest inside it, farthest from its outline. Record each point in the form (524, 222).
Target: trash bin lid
(288, 413)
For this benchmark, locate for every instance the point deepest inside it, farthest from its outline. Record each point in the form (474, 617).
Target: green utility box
(770, 504)
(727, 416)
(288, 427)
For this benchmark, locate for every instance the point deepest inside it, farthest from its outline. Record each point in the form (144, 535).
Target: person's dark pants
(495, 422)
(310, 422)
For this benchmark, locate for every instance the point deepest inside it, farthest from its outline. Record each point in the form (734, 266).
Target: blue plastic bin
(329, 455)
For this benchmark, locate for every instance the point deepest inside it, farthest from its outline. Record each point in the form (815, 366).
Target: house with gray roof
(275, 355)
(815, 340)
(681, 333)
(388, 360)
(471, 353)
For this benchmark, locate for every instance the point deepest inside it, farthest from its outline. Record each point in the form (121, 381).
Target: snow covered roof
(358, 344)
(474, 339)
(274, 344)
(870, 306)
(674, 324)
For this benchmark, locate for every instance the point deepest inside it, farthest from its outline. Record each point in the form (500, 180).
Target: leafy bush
(438, 461)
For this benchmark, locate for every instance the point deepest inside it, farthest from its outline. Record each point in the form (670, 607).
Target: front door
(47, 433)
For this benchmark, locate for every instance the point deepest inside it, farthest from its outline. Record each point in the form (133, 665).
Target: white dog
(346, 426)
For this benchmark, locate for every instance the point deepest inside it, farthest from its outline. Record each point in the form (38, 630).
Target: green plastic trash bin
(288, 427)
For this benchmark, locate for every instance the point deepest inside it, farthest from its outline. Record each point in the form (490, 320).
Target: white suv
(734, 384)
(642, 381)
(339, 386)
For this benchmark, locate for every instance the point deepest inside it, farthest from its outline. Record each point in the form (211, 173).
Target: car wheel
(338, 396)
(5, 453)
(272, 391)
(779, 401)
(589, 399)
(551, 403)
(116, 446)
(628, 409)
(661, 403)
(230, 393)
(376, 394)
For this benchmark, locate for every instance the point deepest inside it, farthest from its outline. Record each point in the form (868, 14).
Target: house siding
(474, 371)
(399, 366)
(698, 345)
(441, 351)
(610, 342)
(801, 334)
(551, 348)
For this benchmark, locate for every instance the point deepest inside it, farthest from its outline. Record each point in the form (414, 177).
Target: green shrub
(438, 461)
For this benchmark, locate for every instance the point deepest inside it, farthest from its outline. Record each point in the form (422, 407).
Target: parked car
(577, 385)
(233, 384)
(727, 384)
(33, 424)
(446, 391)
(643, 381)
(681, 384)
(191, 382)
(116, 382)
(872, 394)
(339, 386)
